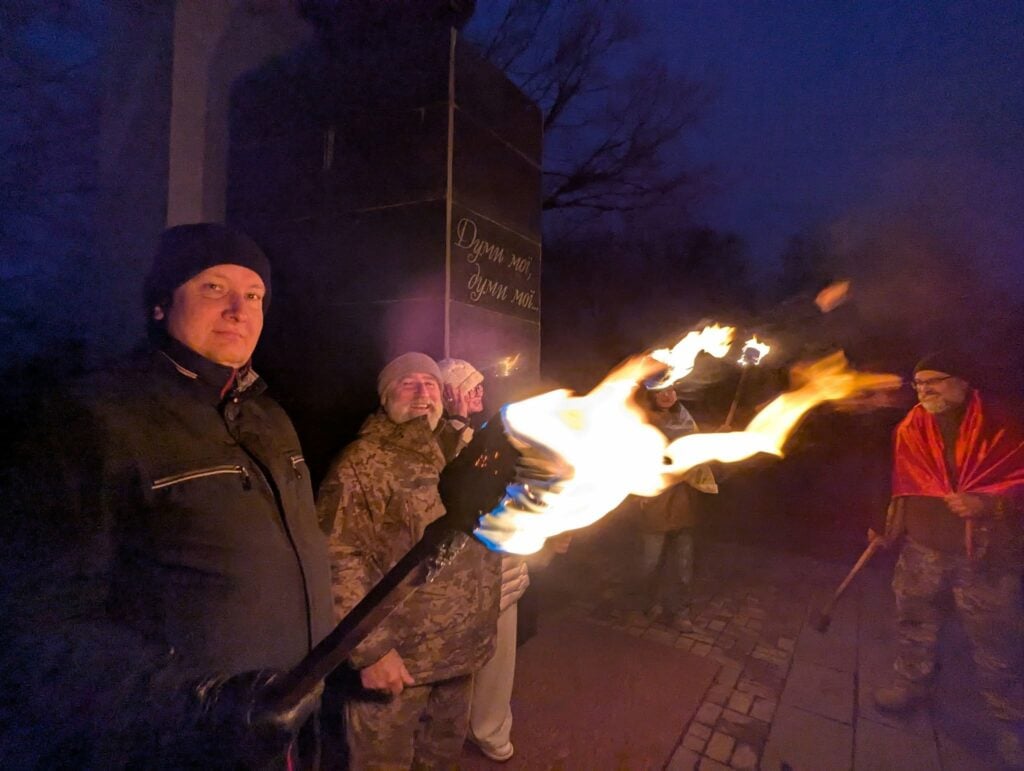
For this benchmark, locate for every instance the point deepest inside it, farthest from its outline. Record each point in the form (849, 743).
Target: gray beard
(937, 405)
(402, 416)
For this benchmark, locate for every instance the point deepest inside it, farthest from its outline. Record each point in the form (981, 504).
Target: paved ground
(786, 696)
(567, 718)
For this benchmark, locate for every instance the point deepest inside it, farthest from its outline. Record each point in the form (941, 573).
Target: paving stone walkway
(786, 696)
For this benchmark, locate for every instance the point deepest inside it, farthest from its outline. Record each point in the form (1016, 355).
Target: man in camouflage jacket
(377, 498)
(958, 484)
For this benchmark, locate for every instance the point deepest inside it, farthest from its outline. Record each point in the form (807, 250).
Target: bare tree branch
(612, 120)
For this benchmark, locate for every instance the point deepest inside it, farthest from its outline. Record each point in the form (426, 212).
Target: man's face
(414, 395)
(938, 391)
(218, 314)
(475, 399)
(665, 398)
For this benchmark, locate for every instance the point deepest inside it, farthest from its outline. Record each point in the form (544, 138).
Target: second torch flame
(754, 352)
(614, 452)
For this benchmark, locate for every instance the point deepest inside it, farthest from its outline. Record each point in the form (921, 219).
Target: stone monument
(394, 178)
(391, 173)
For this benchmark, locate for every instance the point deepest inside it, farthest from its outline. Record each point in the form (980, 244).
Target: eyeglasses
(915, 383)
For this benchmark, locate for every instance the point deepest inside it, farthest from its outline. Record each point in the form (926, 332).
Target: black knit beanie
(187, 250)
(950, 361)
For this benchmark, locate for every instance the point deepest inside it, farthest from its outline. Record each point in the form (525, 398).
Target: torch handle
(439, 545)
(470, 486)
(867, 554)
(736, 397)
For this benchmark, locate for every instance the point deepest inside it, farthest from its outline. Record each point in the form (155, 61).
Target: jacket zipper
(187, 476)
(268, 478)
(296, 460)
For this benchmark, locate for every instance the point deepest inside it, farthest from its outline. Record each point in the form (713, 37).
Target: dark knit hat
(187, 250)
(404, 365)
(949, 361)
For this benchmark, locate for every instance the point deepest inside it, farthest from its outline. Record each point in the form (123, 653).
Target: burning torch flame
(829, 379)
(754, 352)
(713, 339)
(832, 296)
(506, 365)
(613, 452)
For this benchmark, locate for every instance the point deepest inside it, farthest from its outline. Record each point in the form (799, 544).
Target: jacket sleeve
(356, 498)
(353, 502)
(453, 435)
(91, 691)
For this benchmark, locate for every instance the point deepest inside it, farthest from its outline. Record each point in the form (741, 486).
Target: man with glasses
(958, 484)
(463, 395)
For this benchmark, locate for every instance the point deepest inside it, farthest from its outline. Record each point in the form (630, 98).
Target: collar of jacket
(414, 436)
(219, 380)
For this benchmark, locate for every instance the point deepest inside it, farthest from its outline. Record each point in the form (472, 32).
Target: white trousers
(490, 714)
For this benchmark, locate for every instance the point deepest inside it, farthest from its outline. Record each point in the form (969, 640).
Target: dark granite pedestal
(395, 184)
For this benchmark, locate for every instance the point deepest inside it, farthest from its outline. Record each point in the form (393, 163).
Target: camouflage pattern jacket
(375, 502)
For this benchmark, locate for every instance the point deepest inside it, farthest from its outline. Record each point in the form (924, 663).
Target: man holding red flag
(958, 486)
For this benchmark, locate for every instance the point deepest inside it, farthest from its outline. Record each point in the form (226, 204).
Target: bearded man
(416, 668)
(958, 484)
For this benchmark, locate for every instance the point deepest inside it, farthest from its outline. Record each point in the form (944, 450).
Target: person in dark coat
(666, 522)
(162, 561)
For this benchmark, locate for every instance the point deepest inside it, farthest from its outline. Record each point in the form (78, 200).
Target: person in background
(490, 716)
(958, 486)
(463, 398)
(667, 521)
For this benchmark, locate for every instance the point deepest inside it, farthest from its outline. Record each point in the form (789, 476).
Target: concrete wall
(163, 137)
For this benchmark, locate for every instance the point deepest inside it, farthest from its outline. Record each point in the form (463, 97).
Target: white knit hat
(459, 374)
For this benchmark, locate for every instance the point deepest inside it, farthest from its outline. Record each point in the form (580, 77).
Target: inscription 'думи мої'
(492, 274)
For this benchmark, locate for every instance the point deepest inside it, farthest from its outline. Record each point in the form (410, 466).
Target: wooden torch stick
(736, 398)
(823, 618)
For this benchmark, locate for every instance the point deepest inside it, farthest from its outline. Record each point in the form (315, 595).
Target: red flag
(989, 455)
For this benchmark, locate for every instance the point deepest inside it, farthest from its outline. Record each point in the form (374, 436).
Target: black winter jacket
(164, 533)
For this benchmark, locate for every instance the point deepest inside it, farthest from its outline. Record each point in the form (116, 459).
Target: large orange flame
(678, 360)
(614, 452)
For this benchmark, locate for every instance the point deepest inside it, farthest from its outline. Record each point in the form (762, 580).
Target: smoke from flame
(614, 452)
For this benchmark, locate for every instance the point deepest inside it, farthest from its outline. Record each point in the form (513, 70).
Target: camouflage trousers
(423, 727)
(988, 601)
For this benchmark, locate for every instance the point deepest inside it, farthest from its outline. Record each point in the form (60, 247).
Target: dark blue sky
(834, 110)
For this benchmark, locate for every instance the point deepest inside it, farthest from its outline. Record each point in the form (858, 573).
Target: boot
(497, 754)
(901, 696)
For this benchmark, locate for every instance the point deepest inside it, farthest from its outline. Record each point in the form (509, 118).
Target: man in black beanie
(958, 497)
(163, 561)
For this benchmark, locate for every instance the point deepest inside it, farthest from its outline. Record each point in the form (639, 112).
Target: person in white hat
(463, 396)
